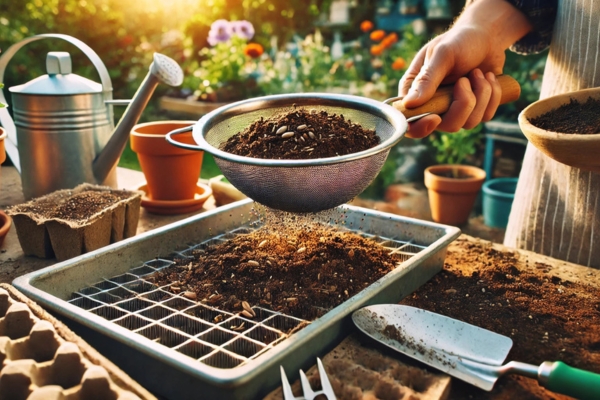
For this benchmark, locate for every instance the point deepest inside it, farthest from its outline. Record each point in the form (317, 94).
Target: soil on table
(77, 207)
(301, 271)
(301, 134)
(573, 117)
(547, 318)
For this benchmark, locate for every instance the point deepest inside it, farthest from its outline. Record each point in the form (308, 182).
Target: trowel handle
(441, 100)
(561, 378)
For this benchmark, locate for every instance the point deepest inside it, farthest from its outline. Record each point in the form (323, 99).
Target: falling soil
(573, 117)
(301, 134)
(303, 271)
(547, 318)
(76, 207)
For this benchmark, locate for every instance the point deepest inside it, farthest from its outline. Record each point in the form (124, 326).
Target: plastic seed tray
(179, 348)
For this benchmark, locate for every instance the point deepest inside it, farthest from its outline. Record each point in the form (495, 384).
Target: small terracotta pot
(2, 151)
(171, 172)
(5, 224)
(452, 191)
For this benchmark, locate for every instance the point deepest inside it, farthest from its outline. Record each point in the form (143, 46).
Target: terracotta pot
(2, 152)
(171, 172)
(5, 224)
(452, 191)
(576, 150)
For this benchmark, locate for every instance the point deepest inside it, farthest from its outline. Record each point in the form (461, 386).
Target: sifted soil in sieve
(312, 134)
(300, 271)
(573, 117)
(547, 318)
(77, 207)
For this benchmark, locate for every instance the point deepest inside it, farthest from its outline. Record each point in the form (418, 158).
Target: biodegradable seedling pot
(452, 191)
(5, 223)
(576, 150)
(171, 172)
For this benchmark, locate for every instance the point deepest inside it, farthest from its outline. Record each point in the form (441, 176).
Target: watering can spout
(162, 70)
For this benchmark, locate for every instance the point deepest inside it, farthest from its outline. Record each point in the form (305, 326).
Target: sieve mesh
(211, 336)
(301, 185)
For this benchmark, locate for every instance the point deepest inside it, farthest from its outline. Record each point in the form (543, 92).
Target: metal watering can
(63, 132)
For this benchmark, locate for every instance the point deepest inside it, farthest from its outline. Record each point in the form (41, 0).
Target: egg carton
(54, 237)
(41, 359)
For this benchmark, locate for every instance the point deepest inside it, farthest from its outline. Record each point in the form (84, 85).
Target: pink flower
(220, 32)
(243, 29)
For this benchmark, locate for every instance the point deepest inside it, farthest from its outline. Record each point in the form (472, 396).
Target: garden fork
(309, 394)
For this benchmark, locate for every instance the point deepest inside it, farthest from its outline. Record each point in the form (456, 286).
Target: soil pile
(547, 318)
(573, 117)
(76, 207)
(303, 271)
(301, 134)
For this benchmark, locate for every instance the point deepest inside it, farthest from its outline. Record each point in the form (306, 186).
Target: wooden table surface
(13, 263)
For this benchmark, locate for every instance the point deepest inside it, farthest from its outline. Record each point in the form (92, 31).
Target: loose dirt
(76, 207)
(303, 271)
(573, 117)
(547, 318)
(301, 134)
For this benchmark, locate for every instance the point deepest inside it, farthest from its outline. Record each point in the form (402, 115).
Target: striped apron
(556, 210)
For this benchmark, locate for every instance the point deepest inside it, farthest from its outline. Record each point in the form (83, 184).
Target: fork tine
(309, 394)
(285, 386)
(325, 384)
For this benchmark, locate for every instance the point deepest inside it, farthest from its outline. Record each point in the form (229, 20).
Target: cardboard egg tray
(54, 237)
(42, 359)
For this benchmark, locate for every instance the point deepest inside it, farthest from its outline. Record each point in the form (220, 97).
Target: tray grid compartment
(211, 336)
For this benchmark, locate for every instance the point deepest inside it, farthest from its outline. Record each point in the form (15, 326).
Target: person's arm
(471, 54)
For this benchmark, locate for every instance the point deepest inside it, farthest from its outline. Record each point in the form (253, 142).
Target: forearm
(504, 22)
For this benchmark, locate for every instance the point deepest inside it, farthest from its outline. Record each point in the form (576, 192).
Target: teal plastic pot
(498, 196)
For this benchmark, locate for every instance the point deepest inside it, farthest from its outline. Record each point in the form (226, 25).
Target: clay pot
(498, 196)
(5, 224)
(452, 191)
(576, 150)
(171, 172)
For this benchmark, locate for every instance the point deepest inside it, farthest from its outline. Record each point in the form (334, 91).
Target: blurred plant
(226, 71)
(528, 71)
(455, 148)
(2, 105)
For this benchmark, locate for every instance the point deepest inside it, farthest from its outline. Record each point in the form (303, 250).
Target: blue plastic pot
(498, 195)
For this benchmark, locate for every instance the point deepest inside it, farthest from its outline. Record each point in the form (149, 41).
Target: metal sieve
(300, 186)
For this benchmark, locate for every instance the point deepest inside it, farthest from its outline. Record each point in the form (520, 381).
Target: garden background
(359, 47)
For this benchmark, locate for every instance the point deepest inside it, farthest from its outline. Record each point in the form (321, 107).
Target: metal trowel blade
(459, 349)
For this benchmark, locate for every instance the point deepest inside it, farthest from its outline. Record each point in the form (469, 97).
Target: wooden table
(13, 263)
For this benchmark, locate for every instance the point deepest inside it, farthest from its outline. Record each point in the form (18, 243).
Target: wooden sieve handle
(440, 102)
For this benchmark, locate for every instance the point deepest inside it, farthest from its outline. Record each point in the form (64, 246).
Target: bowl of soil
(566, 128)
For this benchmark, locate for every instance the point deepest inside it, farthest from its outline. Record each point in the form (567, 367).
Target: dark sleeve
(541, 14)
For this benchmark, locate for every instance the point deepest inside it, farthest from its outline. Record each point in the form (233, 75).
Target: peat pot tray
(174, 347)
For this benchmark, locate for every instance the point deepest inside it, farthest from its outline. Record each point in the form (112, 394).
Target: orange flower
(377, 50)
(253, 50)
(389, 40)
(398, 64)
(366, 26)
(377, 35)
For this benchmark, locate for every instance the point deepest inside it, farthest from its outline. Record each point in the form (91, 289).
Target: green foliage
(528, 70)
(455, 148)
(2, 104)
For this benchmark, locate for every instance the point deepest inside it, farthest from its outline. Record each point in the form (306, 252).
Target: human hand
(470, 55)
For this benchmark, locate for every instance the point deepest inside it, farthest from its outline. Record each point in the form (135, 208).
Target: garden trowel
(467, 352)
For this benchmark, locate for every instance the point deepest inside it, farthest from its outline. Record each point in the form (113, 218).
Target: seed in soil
(303, 284)
(337, 136)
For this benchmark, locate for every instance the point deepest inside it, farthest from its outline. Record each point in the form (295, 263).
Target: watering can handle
(5, 118)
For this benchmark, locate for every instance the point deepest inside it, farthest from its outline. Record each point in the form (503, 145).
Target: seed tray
(179, 348)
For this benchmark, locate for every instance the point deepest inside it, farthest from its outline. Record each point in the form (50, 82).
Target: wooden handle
(440, 102)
